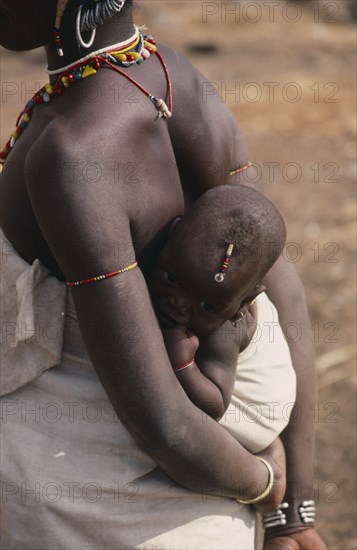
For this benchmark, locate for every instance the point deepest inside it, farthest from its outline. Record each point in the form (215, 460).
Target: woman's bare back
(101, 137)
(111, 147)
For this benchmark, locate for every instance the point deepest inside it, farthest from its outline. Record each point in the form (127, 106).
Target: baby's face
(178, 299)
(184, 290)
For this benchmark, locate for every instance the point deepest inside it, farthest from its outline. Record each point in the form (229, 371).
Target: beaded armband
(240, 169)
(102, 277)
(184, 366)
(290, 516)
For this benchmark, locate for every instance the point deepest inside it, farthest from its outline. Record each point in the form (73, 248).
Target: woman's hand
(275, 455)
(303, 540)
(181, 345)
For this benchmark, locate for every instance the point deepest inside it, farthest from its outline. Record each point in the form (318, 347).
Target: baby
(207, 292)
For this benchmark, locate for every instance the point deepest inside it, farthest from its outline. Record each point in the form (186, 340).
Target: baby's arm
(209, 380)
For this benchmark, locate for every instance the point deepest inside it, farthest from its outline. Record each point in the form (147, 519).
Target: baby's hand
(181, 345)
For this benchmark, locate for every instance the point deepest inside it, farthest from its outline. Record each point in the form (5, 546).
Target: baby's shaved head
(185, 282)
(240, 215)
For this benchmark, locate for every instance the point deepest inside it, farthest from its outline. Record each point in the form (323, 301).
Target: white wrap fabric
(32, 315)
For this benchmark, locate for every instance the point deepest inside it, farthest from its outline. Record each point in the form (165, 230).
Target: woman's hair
(95, 13)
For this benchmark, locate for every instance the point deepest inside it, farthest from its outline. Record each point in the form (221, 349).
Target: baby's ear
(258, 289)
(248, 300)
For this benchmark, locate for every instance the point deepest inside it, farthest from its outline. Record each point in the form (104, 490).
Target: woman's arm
(121, 332)
(208, 143)
(299, 436)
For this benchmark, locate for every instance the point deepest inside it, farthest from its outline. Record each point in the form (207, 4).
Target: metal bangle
(266, 491)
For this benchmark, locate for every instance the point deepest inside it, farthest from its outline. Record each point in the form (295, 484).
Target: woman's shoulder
(204, 133)
(191, 87)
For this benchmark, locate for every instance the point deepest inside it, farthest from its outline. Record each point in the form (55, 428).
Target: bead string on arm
(184, 366)
(240, 169)
(97, 278)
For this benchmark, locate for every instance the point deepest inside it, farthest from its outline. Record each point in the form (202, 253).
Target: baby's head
(191, 285)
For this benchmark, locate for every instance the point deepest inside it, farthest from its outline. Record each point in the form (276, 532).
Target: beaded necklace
(140, 49)
(122, 46)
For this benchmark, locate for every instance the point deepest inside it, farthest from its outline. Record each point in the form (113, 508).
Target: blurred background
(288, 72)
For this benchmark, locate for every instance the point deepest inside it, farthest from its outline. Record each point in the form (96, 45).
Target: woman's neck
(115, 30)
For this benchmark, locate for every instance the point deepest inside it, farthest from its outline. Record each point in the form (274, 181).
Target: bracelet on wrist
(290, 516)
(266, 491)
(184, 366)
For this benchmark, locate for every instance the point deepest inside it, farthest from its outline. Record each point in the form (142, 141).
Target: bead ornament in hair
(61, 6)
(219, 277)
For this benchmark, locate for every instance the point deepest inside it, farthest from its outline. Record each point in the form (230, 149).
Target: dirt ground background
(288, 73)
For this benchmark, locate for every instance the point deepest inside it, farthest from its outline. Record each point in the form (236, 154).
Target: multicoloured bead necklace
(140, 49)
(123, 46)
